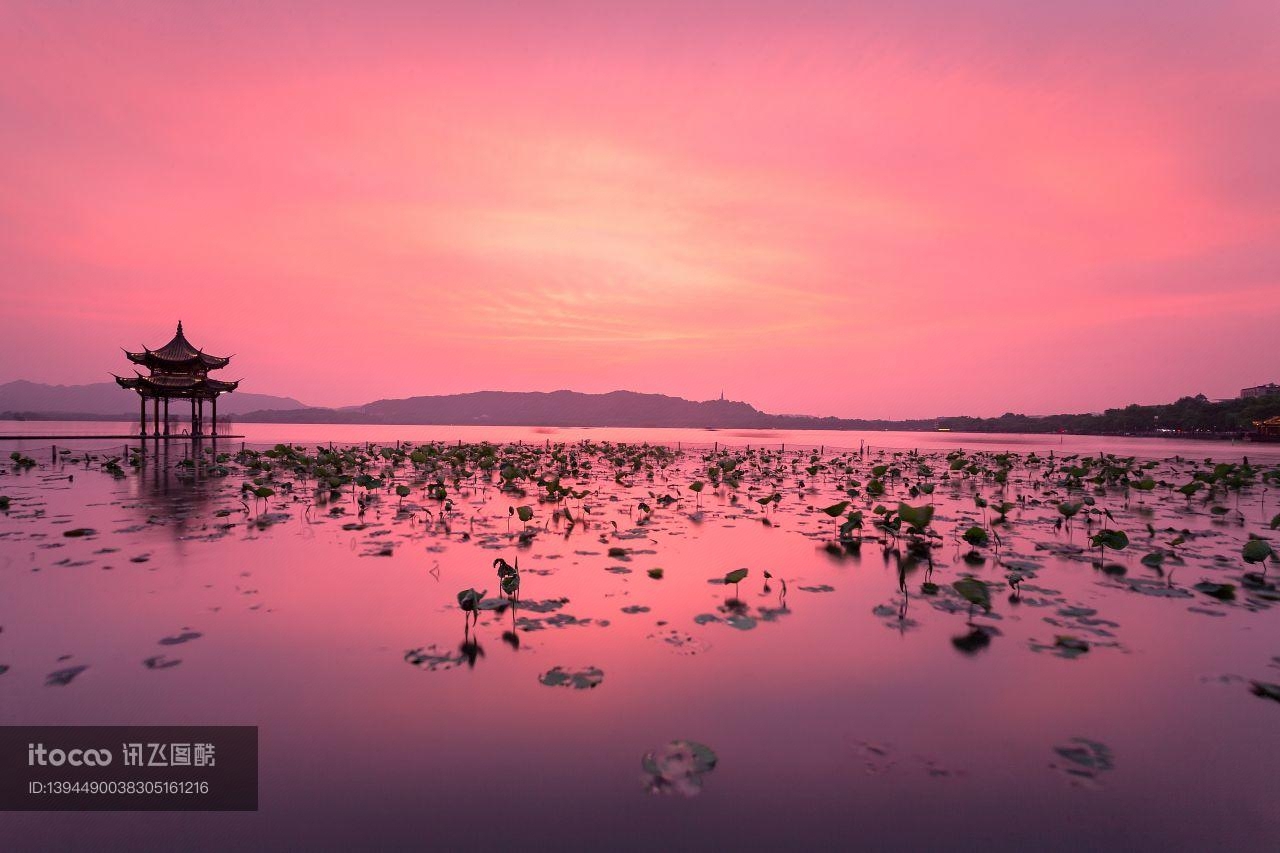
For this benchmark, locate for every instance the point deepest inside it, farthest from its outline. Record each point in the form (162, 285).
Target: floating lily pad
(1156, 589)
(184, 637)
(678, 768)
(433, 658)
(1222, 591)
(1265, 689)
(63, 677)
(1071, 644)
(680, 643)
(581, 679)
(1085, 760)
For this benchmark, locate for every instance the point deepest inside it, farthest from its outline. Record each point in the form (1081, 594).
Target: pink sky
(817, 208)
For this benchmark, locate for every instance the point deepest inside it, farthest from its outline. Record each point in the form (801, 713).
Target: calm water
(311, 434)
(843, 711)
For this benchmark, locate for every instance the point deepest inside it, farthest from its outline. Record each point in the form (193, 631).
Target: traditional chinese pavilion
(177, 370)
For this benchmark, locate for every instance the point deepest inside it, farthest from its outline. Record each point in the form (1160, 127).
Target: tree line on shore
(1190, 414)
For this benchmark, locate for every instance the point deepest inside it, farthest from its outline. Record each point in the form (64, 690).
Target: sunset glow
(636, 425)
(867, 212)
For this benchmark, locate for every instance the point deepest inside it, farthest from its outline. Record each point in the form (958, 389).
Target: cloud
(758, 191)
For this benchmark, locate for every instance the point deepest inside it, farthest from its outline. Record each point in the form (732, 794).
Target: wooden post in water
(53, 453)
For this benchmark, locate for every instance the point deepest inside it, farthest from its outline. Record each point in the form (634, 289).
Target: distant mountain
(36, 401)
(1189, 417)
(106, 400)
(566, 409)
(535, 408)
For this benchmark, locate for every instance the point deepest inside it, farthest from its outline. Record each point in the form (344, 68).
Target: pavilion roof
(177, 354)
(176, 386)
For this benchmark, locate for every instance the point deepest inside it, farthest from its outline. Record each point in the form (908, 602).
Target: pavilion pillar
(166, 415)
(142, 419)
(213, 405)
(155, 415)
(193, 415)
(200, 415)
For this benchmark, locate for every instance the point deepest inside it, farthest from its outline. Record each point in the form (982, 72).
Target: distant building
(1260, 390)
(1268, 429)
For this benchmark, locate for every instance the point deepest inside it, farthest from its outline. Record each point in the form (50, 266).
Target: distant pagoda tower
(177, 370)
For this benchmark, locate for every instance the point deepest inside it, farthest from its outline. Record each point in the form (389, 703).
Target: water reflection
(359, 574)
(177, 484)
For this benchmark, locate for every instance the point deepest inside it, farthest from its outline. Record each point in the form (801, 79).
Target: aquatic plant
(977, 537)
(852, 524)
(735, 577)
(836, 510)
(469, 600)
(508, 577)
(1257, 550)
(1068, 510)
(974, 591)
(1116, 540)
(1002, 511)
(917, 517)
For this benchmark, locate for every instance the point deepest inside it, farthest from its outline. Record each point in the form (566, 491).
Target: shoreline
(729, 431)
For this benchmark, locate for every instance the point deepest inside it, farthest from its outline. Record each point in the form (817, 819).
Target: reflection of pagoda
(179, 370)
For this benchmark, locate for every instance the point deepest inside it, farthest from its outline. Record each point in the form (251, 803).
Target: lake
(836, 439)
(847, 691)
